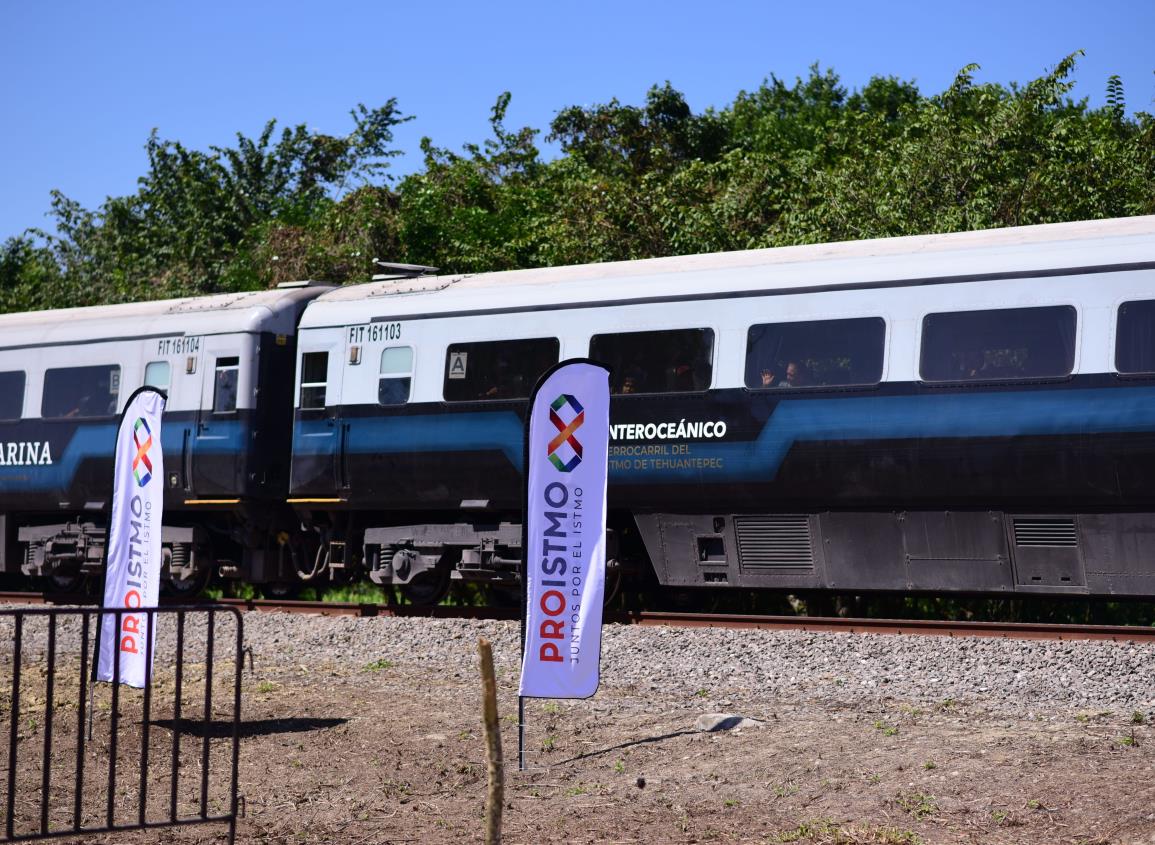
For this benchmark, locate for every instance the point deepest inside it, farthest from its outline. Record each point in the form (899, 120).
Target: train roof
(248, 311)
(991, 252)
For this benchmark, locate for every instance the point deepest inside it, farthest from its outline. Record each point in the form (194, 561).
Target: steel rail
(801, 624)
(23, 598)
(919, 627)
(327, 608)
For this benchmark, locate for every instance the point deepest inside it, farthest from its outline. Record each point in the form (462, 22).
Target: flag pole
(524, 574)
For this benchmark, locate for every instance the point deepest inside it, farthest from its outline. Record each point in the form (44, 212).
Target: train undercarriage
(68, 556)
(970, 552)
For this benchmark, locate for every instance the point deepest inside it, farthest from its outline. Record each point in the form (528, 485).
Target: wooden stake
(496, 797)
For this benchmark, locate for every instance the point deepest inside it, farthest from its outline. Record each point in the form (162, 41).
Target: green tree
(619, 140)
(478, 211)
(785, 163)
(30, 278)
(199, 221)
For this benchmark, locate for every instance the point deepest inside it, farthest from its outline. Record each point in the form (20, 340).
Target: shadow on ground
(644, 741)
(223, 729)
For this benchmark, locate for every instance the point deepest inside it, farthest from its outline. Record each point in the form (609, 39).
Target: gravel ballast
(1013, 676)
(1018, 675)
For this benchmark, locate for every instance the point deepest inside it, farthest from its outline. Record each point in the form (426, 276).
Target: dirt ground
(368, 752)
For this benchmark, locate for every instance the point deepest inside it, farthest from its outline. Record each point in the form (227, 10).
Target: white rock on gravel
(711, 722)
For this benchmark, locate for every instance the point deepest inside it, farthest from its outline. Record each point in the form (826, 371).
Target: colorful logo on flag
(141, 464)
(566, 430)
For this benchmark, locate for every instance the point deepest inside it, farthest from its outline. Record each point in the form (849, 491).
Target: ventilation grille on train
(1032, 533)
(777, 542)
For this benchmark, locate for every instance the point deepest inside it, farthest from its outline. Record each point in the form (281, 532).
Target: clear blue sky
(83, 83)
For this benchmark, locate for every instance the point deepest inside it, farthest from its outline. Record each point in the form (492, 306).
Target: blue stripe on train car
(849, 418)
(98, 440)
(1095, 411)
(474, 432)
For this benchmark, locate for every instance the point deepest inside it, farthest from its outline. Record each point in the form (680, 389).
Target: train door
(345, 385)
(219, 447)
(183, 409)
(321, 461)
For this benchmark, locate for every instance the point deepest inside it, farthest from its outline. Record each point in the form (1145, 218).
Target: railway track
(806, 624)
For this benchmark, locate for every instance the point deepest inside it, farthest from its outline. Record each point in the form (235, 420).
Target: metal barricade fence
(69, 774)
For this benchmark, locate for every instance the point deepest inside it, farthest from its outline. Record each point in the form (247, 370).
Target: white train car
(226, 364)
(970, 412)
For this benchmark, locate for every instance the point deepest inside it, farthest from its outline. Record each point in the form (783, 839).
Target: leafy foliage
(199, 221)
(784, 164)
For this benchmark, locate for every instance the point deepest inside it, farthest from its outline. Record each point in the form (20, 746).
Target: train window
(314, 379)
(225, 385)
(673, 361)
(158, 374)
(396, 375)
(11, 395)
(498, 369)
(80, 391)
(815, 353)
(1135, 337)
(1007, 343)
